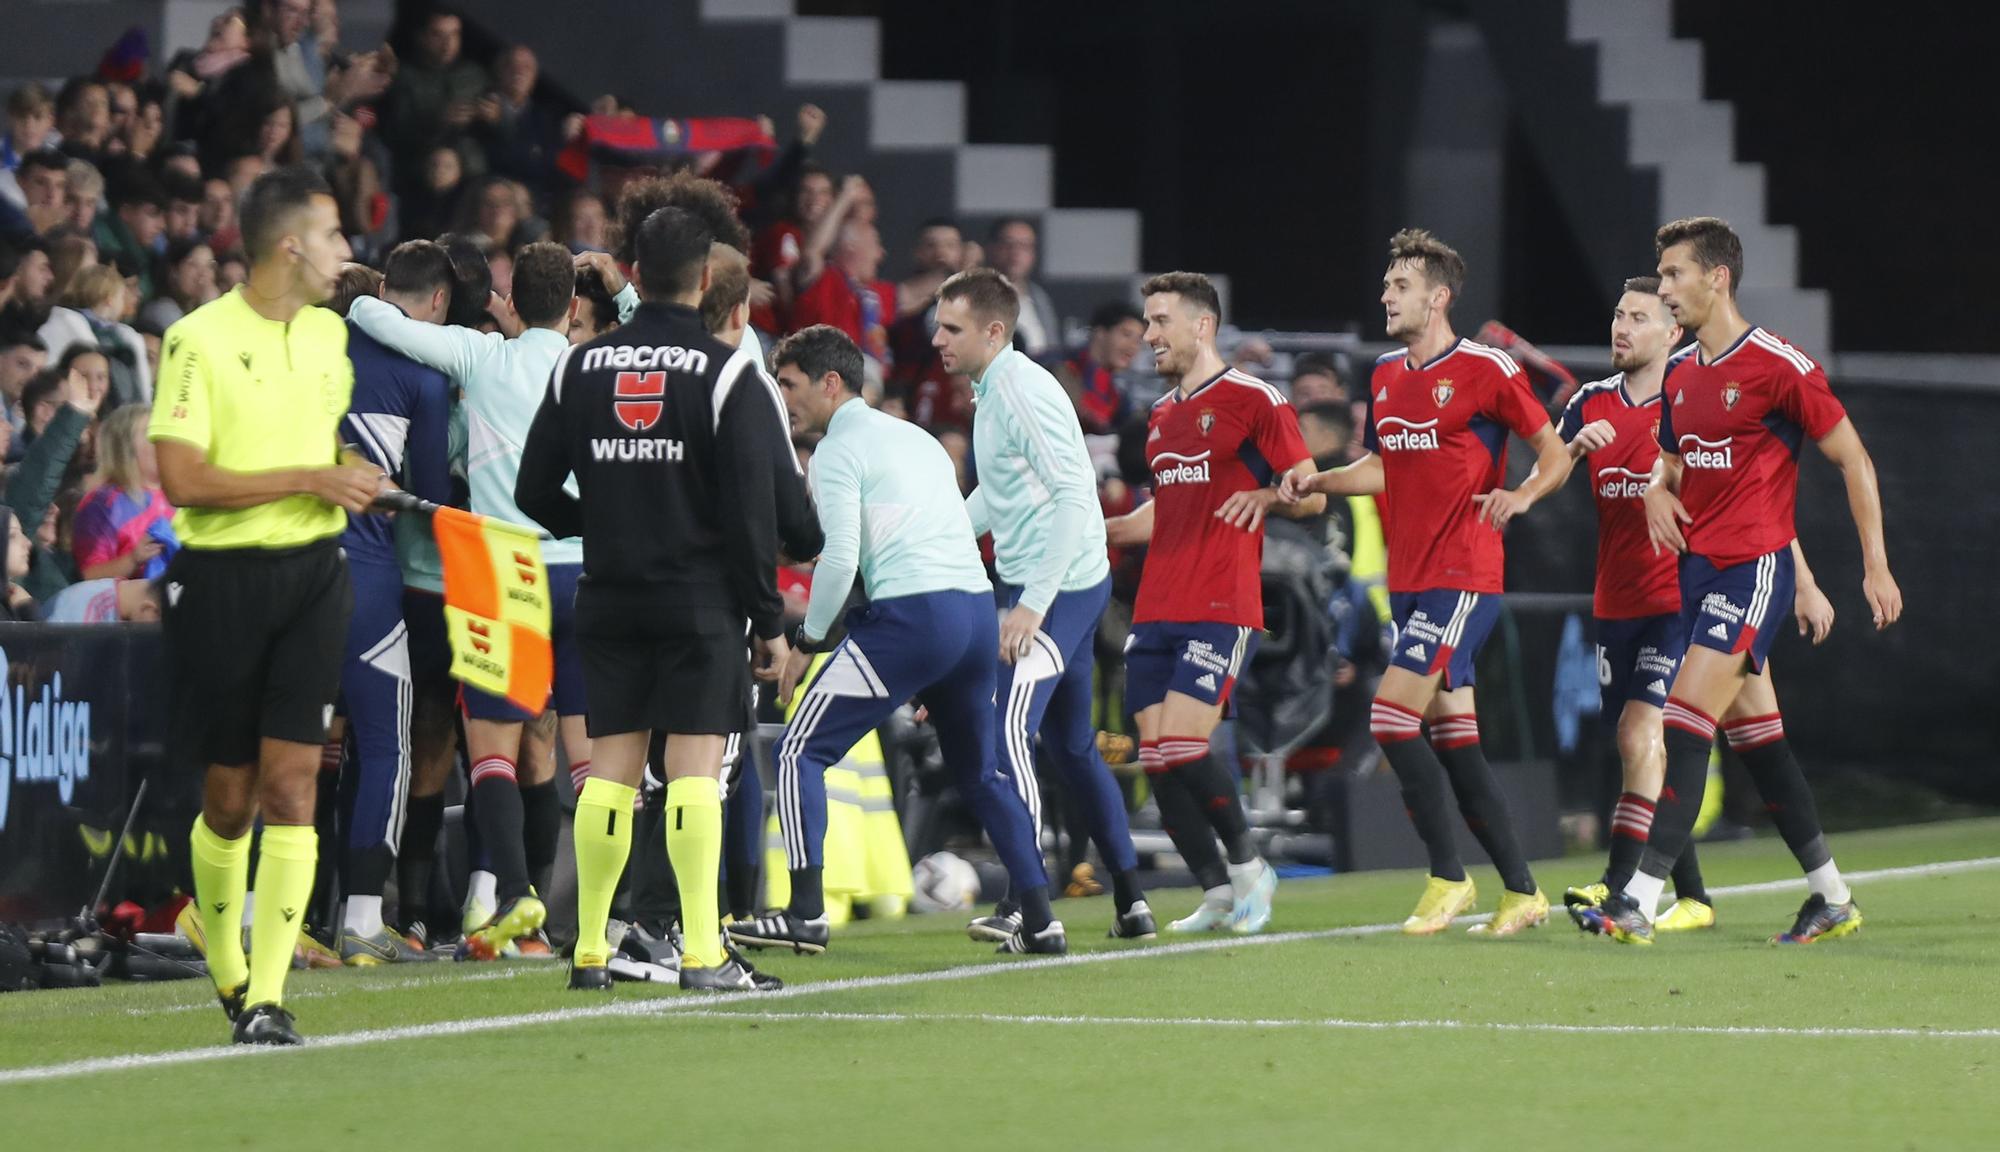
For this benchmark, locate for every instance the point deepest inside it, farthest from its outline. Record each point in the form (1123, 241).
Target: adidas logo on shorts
(1416, 652)
(1657, 687)
(1207, 681)
(1720, 632)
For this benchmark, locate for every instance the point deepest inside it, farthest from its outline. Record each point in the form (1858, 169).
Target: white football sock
(1223, 897)
(482, 888)
(1646, 890)
(1243, 877)
(1827, 881)
(364, 915)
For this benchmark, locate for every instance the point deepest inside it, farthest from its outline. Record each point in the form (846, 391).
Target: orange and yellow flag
(496, 606)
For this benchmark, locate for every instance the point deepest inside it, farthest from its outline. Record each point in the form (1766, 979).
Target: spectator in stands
(22, 355)
(582, 223)
(70, 252)
(83, 117)
(147, 128)
(836, 274)
(434, 98)
(218, 214)
(106, 601)
(1316, 380)
(61, 409)
(124, 525)
(1014, 248)
(940, 253)
(187, 282)
(367, 212)
(17, 606)
(779, 245)
(231, 270)
(27, 303)
(433, 206)
(277, 135)
(1092, 376)
(137, 220)
(89, 318)
(495, 211)
(241, 171)
(192, 75)
(86, 195)
(184, 201)
(521, 135)
(300, 39)
(44, 181)
(31, 120)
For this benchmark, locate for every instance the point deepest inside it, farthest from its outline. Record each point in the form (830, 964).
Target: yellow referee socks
(221, 876)
(603, 835)
(284, 885)
(694, 845)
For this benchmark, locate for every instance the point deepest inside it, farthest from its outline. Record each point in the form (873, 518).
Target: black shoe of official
(589, 978)
(1050, 941)
(998, 928)
(232, 1000)
(647, 953)
(732, 975)
(781, 929)
(1135, 923)
(760, 981)
(266, 1024)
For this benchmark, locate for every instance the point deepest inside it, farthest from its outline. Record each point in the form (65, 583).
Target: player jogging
(1037, 494)
(1733, 413)
(1438, 417)
(1215, 442)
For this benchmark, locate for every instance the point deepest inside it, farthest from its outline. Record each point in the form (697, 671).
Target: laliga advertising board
(82, 721)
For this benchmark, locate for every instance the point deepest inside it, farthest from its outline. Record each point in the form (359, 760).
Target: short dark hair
(22, 337)
(728, 286)
(1006, 222)
(29, 99)
(986, 292)
(131, 183)
(10, 259)
(1192, 287)
(603, 306)
(353, 282)
(544, 281)
(178, 250)
(1440, 263)
(1712, 241)
(271, 201)
(671, 252)
(1112, 313)
(939, 222)
(1649, 285)
(708, 199)
(471, 280)
(43, 384)
(47, 158)
(818, 350)
(1316, 364)
(74, 353)
(418, 268)
(71, 93)
(181, 188)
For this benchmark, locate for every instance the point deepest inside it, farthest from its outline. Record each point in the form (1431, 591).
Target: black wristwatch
(800, 643)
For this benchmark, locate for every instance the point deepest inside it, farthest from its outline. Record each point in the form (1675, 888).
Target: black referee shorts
(254, 643)
(651, 666)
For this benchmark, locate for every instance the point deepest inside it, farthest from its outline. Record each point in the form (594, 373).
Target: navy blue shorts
(1198, 660)
(1442, 630)
(1738, 609)
(1637, 659)
(567, 695)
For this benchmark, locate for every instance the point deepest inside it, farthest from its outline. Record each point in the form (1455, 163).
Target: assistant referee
(245, 423)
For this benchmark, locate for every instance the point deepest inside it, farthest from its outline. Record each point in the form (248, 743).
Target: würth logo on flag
(638, 402)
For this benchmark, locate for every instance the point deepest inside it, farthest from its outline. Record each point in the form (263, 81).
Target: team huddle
(658, 457)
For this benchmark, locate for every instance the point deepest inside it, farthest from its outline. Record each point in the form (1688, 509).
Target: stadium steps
(1690, 142)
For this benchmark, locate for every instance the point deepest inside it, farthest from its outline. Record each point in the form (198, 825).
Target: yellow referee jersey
(255, 395)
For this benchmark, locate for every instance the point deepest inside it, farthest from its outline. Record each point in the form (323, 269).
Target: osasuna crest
(1205, 421)
(1731, 393)
(1442, 392)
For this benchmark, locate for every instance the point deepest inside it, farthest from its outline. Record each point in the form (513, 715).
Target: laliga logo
(1180, 469)
(43, 740)
(1415, 436)
(1709, 454)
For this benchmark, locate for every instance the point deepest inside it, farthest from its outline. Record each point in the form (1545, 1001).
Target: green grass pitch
(1327, 1030)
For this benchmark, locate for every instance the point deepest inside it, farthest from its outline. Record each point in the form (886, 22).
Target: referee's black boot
(589, 978)
(1050, 941)
(729, 976)
(998, 928)
(781, 929)
(232, 1001)
(266, 1024)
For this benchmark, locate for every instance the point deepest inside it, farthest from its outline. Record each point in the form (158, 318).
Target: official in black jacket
(667, 431)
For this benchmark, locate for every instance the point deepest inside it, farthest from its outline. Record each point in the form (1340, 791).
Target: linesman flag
(496, 606)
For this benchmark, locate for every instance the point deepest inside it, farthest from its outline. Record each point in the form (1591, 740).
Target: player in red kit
(1734, 413)
(1438, 417)
(1215, 443)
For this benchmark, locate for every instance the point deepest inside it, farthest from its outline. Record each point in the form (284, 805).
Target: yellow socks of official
(603, 834)
(284, 885)
(221, 876)
(694, 845)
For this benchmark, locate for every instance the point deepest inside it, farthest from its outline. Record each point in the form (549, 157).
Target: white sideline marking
(697, 1007)
(1338, 1024)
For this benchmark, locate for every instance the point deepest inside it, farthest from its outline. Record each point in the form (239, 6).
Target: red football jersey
(1441, 431)
(1232, 434)
(1738, 425)
(1632, 580)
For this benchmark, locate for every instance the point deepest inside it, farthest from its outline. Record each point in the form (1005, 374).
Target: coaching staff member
(245, 423)
(667, 431)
